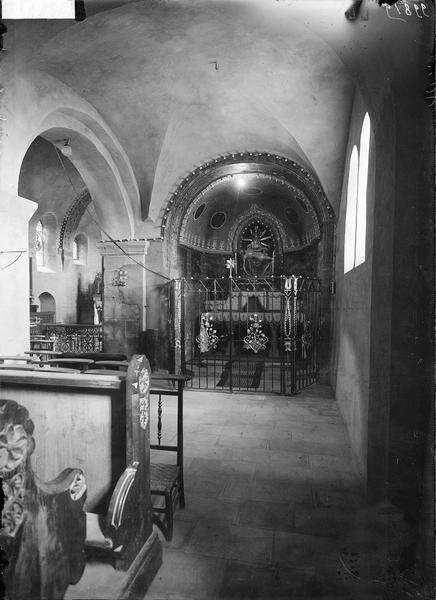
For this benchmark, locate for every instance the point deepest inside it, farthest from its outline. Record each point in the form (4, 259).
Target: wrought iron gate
(246, 334)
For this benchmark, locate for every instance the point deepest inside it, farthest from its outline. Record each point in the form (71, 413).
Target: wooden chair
(166, 480)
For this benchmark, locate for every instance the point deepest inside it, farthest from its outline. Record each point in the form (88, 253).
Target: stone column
(15, 213)
(124, 295)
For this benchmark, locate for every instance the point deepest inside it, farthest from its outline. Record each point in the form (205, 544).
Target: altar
(254, 333)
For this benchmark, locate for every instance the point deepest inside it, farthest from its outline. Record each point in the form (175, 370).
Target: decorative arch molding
(102, 164)
(71, 222)
(288, 242)
(97, 153)
(284, 169)
(194, 182)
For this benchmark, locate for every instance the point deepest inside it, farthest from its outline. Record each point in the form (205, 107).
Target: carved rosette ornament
(207, 339)
(41, 520)
(141, 389)
(255, 339)
(77, 487)
(16, 444)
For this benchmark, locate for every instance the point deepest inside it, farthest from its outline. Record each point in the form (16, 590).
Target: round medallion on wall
(217, 220)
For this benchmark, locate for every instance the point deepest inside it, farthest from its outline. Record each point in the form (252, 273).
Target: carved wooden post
(132, 501)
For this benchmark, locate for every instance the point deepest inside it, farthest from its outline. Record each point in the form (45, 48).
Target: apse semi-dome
(216, 216)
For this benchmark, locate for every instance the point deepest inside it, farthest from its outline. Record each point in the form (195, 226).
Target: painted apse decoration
(255, 218)
(251, 237)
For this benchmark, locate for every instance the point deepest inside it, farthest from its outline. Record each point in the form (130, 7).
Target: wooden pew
(99, 424)
(43, 524)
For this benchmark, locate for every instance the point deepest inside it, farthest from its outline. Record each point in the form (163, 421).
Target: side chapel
(241, 191)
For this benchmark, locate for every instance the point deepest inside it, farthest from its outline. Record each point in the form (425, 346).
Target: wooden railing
(76, 338)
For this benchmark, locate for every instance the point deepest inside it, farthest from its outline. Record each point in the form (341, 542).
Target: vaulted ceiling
(179, 82)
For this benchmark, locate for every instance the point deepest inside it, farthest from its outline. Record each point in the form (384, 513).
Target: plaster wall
(412, 366)
(124, 310)
(15, 213)
(352, 309)
(44, 180)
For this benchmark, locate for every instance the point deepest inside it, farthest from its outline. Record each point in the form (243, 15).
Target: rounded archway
(265, 211)
(235, 230)
(47, 304)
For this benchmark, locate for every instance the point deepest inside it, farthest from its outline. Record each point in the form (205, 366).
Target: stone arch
(71, 222)
(294, 174)
(102, 174)
(47, 302)
(97, 154)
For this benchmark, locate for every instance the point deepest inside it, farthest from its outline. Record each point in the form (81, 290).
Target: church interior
(240, 191)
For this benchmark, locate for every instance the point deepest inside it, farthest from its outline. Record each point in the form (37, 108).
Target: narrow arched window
(40, 244)
(355, 217)
(361, 193)
(75, 249)
(350, 217)
(80, 249)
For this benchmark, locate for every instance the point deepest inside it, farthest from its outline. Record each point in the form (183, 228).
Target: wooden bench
(42, 354)
(120, 365)
(100, 425)
(78, 363)
(18, 359)
(43, 524)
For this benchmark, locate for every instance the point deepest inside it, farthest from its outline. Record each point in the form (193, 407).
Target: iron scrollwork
(255, 339)
(207, 339)
(306, 339)
(289, 318)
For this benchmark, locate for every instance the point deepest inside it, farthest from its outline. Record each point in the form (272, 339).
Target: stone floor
(274, 505)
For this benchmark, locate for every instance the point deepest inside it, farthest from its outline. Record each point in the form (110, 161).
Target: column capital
(131, 247)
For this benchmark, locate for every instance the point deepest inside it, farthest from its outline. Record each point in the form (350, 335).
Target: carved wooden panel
(43, 524)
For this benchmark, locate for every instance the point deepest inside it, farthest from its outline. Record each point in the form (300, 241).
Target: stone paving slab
(271, 487)
(268, 515)
(223, 540)
(187, 576)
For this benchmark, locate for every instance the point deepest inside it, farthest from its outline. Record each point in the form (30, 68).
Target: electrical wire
(122, 249)
(101, 228)
(21, 252)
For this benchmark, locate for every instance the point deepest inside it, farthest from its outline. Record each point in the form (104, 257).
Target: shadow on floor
(275, 507)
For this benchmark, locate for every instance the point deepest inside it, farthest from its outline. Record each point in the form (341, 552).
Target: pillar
(124, 295)
(15, 213)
